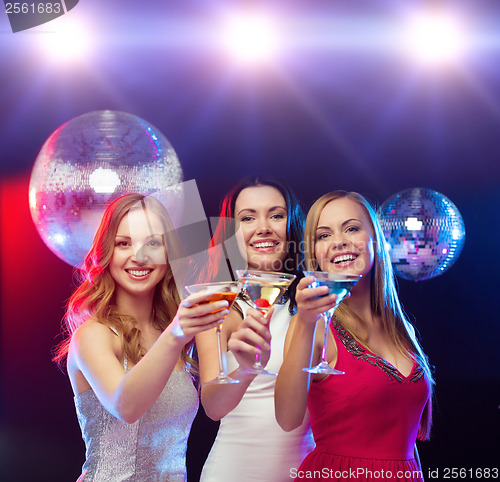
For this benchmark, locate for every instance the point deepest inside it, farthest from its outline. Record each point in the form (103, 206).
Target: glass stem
(222, 371)
(257, 360)
(258, 364)
(327, 316)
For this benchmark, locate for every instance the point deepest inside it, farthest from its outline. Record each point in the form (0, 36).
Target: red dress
(365, 422)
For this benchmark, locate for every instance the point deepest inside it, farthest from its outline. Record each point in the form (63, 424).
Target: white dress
(250, 445)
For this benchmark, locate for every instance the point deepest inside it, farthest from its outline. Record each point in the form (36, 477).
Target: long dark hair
(226, 228)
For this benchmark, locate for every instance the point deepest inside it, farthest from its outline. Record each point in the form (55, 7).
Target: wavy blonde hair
(94, 298)
(384, 297)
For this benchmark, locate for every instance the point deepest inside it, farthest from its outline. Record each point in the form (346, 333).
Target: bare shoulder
(91, 329)
(93, 335)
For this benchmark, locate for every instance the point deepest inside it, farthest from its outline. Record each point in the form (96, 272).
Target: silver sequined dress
(151, 449)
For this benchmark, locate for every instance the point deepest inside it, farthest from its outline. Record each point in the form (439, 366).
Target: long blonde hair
(94, 298)
(384, 297)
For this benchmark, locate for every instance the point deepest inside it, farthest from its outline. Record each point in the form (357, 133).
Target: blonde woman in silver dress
(127, 348)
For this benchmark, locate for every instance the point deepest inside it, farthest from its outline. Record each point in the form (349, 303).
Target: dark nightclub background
(341, 105)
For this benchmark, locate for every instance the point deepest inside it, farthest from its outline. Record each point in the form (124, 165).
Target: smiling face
(139, 259)
(261, 213)
(344, 238)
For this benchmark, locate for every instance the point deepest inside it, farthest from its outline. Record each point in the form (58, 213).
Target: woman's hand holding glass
(312, 302)
(251, 338)
(339, 284)
(193, 318)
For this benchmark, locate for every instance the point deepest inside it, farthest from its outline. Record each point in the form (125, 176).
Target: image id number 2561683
(26, 7)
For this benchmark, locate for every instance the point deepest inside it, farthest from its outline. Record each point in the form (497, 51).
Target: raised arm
(95, 354)
(292, 385)
(244, 336)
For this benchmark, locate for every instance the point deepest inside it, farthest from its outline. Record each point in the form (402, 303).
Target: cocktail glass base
(324, 369)
(256, 369)
(222, 380)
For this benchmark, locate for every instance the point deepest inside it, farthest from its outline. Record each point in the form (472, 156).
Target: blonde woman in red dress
(365, 423)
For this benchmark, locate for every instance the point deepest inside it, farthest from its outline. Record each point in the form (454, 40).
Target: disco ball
(87, 163)
(425, 233)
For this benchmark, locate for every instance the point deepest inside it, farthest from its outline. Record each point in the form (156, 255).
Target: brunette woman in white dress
(250, 445)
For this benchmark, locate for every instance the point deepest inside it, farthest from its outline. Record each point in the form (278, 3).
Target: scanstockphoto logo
(25, 15)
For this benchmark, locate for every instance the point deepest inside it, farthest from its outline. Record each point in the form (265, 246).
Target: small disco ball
(87, 163)
(424, 231)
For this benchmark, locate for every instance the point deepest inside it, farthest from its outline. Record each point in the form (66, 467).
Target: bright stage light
(413, 224)
(250, 38)
(104, 180)
(435, 38)
(66, 42)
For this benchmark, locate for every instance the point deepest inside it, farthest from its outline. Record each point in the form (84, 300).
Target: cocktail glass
(340, 284)
(264, 288)
(219, 291)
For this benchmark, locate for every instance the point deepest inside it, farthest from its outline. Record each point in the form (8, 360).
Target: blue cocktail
(341, 285)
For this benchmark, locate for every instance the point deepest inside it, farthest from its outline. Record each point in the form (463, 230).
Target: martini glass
(264, 288)
(226, 291)
(341, 285)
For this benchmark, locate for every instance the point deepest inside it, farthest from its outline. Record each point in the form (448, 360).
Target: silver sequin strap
(125, 361)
